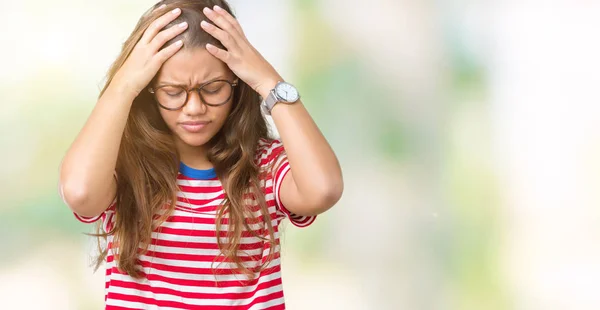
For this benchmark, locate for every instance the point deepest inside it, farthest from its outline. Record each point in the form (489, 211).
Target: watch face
(287, 92)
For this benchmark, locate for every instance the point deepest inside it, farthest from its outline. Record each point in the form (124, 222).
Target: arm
(86, 181)
(86, 174)
(314, 183)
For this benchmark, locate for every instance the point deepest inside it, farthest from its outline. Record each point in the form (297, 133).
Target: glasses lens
(216, 93)
(171, 97)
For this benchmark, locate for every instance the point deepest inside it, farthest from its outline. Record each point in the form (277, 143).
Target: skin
(86, 183)
(193, 67)
(315, 182)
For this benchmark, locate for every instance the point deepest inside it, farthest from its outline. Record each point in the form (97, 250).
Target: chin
(195, 139)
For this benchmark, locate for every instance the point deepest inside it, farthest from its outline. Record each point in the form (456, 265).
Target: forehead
(192, 67)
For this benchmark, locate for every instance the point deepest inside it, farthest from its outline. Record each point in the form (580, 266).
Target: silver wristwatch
(283, 92)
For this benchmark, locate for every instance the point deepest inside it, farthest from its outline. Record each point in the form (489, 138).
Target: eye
(214, 87)
(172, 91)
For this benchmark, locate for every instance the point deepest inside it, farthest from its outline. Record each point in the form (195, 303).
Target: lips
(194, 126)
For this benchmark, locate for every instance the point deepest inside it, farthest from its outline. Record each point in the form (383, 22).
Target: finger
(232, 20)
(167, 34)
(158, 25)
(220, 21)
(217, 52)
(166, 53)
(219, 34)
(159, 8)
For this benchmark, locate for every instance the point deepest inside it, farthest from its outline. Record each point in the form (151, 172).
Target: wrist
(121, 90)
(267, 85)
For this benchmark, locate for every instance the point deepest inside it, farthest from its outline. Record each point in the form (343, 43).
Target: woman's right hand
(145, 60)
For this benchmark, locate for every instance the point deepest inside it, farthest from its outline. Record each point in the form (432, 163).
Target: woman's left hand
(241, 57)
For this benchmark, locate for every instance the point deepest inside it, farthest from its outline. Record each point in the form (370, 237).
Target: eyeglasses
(174, 97)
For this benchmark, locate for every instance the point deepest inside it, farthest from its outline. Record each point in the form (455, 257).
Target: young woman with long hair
(176, 166)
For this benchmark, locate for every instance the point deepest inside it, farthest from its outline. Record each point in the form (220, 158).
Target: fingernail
(176, 11)
(162, 6)
(207, 9)
(179, 42)
(183, 25)
(218, 8)
(204, 23)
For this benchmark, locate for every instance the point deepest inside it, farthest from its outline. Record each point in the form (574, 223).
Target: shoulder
(268, 150)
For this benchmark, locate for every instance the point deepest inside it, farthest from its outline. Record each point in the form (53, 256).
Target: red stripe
(173, 304)
(183, 177)
(204, 233)
(201, 189)
(265, 298)
(197, 270)
(268, 152)
(200, 202)
(207, 220)
(198, 210)
(202, 245)
(87, 220)
(190, 295)
(196, 257)
(277, 307)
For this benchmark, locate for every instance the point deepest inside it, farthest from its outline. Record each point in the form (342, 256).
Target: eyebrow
(169, 83)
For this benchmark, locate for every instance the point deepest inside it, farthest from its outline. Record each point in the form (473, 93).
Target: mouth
(194, 127)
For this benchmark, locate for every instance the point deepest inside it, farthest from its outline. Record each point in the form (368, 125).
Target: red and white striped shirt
(177, 267)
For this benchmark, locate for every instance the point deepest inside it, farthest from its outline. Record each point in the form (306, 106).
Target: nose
(194, 105)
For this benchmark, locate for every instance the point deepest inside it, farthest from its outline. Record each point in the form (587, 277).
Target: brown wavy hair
(148, 163)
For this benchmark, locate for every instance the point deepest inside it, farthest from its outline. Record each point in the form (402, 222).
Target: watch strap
(269, 102)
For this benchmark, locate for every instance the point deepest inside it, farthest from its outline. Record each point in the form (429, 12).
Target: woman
(176, 152)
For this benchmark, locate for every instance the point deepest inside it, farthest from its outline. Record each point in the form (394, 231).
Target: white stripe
(199, 196)
(210, 214)
(193, 210)
(210, 196)
(198, 289)
(136, 305)
(86, 219)
(198, 239)
(279, 160)
(210, 227)
(198, 302)
(186, 276)
(199, 183)
(195, 264)
(278, 184)
(270, 150)
(192, 251)
(179, 238)
(269, 182)
(109, 219)
(180, 275)
(212, 203)
(259, 293)
(267, 304)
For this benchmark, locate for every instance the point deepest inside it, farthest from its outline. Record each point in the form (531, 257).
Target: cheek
(221, 114)
(169, 117)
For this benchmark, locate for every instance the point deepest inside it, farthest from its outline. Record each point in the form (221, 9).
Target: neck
(193, 156)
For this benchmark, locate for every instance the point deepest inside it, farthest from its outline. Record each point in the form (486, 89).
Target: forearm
(315, 168)
(86, 173)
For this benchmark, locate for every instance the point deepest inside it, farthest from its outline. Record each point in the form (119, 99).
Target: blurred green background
(468, 133)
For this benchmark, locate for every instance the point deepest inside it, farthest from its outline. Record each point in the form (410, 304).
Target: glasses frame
(198, 89)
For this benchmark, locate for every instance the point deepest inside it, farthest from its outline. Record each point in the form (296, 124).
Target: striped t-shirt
(177, 270)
